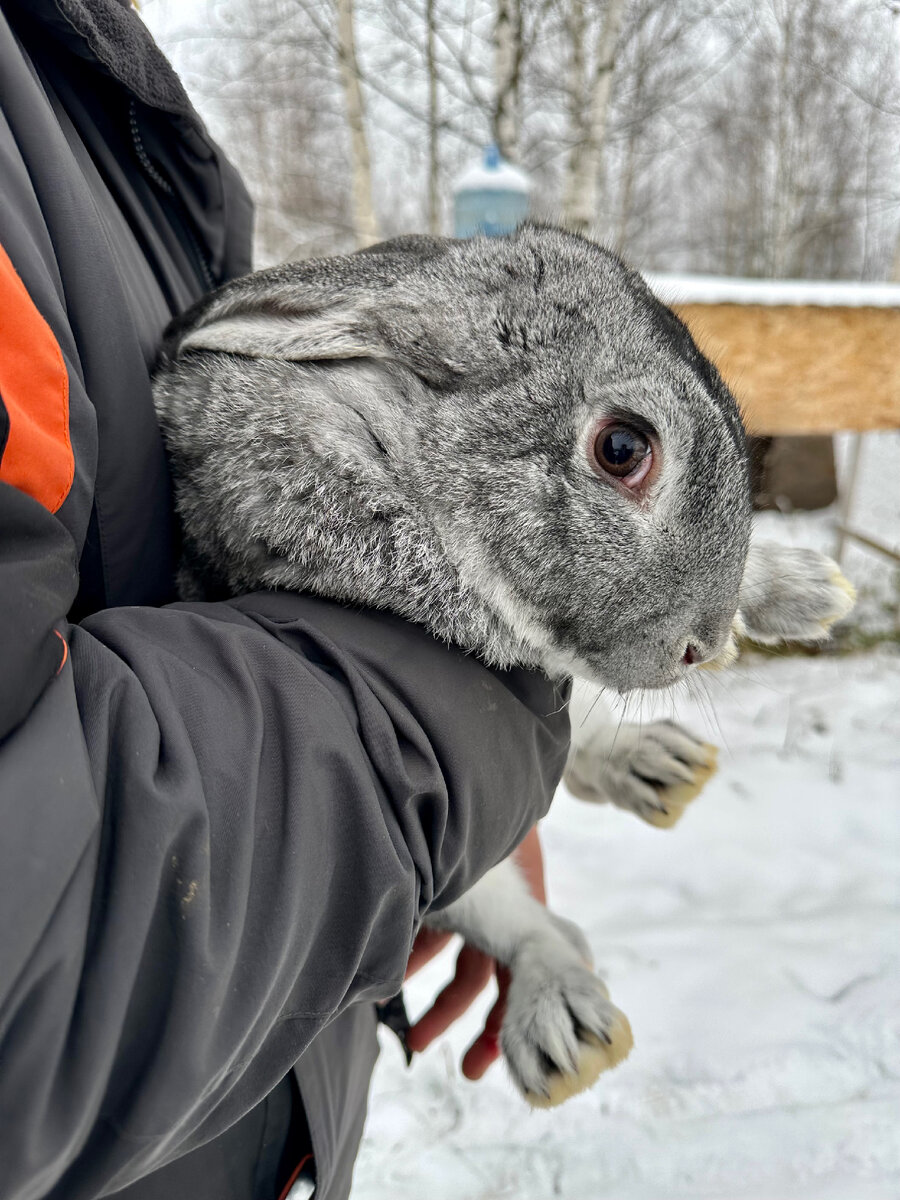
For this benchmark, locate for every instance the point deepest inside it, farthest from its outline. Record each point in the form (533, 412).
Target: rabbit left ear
(302, 336)
(381, 306)
(398, 333)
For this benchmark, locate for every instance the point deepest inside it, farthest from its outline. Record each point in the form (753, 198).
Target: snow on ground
(755, 949)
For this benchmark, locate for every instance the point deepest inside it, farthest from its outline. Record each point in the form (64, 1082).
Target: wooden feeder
(802, 358)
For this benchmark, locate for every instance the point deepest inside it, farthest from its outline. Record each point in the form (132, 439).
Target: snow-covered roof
(503, 178)
(719, 289)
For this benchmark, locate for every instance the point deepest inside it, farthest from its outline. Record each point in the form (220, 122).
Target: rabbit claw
(653, 771)
(561, 1030)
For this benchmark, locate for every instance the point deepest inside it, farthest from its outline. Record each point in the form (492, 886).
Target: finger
(427, 945)
(473, 972)
(485, 1050)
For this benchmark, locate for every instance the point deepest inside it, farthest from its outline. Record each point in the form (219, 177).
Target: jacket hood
(111, 34)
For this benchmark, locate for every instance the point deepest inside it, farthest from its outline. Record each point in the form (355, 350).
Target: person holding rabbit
(205, 887)
(419, 488)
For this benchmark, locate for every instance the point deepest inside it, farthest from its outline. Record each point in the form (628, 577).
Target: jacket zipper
(176, 206)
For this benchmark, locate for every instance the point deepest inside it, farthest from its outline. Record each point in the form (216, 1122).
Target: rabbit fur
(426, 406)
(409, 428)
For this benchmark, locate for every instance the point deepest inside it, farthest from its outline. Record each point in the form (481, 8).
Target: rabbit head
(509, 440)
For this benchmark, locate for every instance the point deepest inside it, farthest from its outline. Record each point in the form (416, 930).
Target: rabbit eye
(623, 452)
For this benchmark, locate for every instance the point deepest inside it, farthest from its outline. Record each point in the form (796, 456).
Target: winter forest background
(738, 137)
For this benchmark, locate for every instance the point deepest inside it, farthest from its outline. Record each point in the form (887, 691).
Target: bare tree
(794, 149)
(590, 86)
(709, 135)
(434, 171)
(364, 221)
(508, 52)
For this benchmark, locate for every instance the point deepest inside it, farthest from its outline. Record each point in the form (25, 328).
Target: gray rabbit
(511, 442)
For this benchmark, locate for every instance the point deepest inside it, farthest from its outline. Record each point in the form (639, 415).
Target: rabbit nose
(697, 653)
(708, 638)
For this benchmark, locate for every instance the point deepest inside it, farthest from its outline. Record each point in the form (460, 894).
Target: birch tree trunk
(895, 266)
(508, 52)
(365, 225)
(783, 150)
(434, 211)
(589, 95)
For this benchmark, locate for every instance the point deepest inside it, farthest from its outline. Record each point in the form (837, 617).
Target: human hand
(473, 972)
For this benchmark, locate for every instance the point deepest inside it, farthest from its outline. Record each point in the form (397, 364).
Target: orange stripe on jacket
(34, 388)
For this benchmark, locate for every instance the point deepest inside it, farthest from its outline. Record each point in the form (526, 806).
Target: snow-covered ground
(755, 948)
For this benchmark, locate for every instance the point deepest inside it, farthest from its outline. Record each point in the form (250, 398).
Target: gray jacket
(220, 823)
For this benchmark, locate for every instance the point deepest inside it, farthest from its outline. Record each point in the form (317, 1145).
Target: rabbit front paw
(652, 770)
(560, 1031)
(790, 594)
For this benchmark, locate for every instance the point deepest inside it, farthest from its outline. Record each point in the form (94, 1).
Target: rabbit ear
(297, 312)
(300, 337)
(370, 305)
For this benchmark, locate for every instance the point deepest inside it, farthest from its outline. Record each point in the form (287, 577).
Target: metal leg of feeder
(847, 495)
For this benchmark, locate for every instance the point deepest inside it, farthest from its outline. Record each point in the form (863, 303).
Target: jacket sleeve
(221, 825)
(38, 581)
